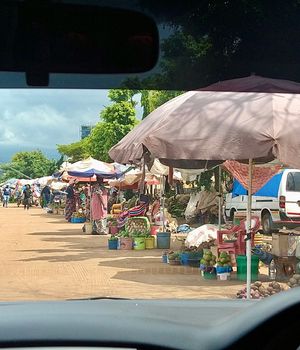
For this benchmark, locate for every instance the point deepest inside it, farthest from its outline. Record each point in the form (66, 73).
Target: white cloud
(43, 118)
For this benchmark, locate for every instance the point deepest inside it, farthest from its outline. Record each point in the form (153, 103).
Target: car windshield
(75, 224)
(128, 180)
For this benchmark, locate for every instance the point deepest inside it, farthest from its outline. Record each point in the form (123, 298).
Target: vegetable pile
(208, 244)
(137, 227)
(259, 291)
(174, 255)
(78, 215)
(192, 249)
(294, 281)
(208, 261)
(224, 260)
(177, 205)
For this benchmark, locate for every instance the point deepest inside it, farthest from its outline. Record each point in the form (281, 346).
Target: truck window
(293, 182)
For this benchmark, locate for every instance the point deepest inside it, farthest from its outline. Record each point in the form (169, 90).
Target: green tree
(211, 41)
(32, 164)
(151, 99)
(122, 95)
(116, 121)
(75, 151)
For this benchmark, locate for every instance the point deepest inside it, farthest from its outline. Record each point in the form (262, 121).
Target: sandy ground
(45, 258)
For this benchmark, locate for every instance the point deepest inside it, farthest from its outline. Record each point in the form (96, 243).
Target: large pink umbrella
(249, 118)
(220, 125)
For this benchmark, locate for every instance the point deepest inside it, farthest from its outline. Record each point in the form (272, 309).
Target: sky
(42, 118)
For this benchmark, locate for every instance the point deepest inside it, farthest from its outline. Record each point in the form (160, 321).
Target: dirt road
(45, 258)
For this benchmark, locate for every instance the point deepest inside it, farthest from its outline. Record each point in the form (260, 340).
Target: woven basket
(135, 224)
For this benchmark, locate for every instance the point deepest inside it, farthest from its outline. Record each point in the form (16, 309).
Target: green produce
(208, 259)
(224, 260)
(113, 238)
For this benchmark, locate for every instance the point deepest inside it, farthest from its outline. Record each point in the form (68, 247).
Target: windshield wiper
(99, 298)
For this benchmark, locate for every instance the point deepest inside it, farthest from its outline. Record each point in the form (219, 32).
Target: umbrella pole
(162, 199)
(220, 199)
(248, 241)
(90, 200)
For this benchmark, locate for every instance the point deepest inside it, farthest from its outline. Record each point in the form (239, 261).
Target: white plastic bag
(201, 234)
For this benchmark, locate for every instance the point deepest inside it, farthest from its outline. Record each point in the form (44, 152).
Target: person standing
(99, 206)
(27, 196)
(6, 196)
(18, 196)
(46, 196)
(70, 202)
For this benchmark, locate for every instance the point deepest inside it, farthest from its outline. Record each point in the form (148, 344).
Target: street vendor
(139, 210)
(46, 196)
(113, 199)
(155, 207)
(99, 206)
(70, 202)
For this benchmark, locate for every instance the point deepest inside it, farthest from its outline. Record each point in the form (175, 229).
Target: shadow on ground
(53, 218)
(77, 246)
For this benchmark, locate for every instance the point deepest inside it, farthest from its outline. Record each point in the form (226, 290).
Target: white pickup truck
(277, 203)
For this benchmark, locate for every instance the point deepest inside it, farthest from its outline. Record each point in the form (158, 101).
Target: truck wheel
(267, 224)
(231, 217)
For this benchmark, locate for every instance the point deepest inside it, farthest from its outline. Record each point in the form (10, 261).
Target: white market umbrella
(92, 167)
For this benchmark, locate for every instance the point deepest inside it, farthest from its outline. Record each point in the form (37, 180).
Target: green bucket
(139, 243)
(241, 262)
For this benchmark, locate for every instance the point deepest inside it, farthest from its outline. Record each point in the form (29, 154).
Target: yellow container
(150, 242)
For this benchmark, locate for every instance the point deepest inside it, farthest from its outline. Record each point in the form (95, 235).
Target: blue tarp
(270, 189)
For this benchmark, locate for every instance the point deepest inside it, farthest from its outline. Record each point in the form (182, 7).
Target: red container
(154, 230)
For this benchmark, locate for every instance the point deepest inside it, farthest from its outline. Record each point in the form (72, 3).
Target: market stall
(94, 173)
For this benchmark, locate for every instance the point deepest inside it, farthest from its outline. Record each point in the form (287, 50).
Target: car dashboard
(152, 324)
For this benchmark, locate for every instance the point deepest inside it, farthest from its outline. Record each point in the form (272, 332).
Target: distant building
(85, 131)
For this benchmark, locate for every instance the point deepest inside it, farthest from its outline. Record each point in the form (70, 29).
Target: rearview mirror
(44, 37)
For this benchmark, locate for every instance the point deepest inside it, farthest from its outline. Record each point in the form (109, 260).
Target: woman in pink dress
(99, 206)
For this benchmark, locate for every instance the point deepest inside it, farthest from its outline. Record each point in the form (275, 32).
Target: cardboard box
(284, 244)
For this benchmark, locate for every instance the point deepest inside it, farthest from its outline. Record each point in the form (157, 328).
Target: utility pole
(19, 172)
